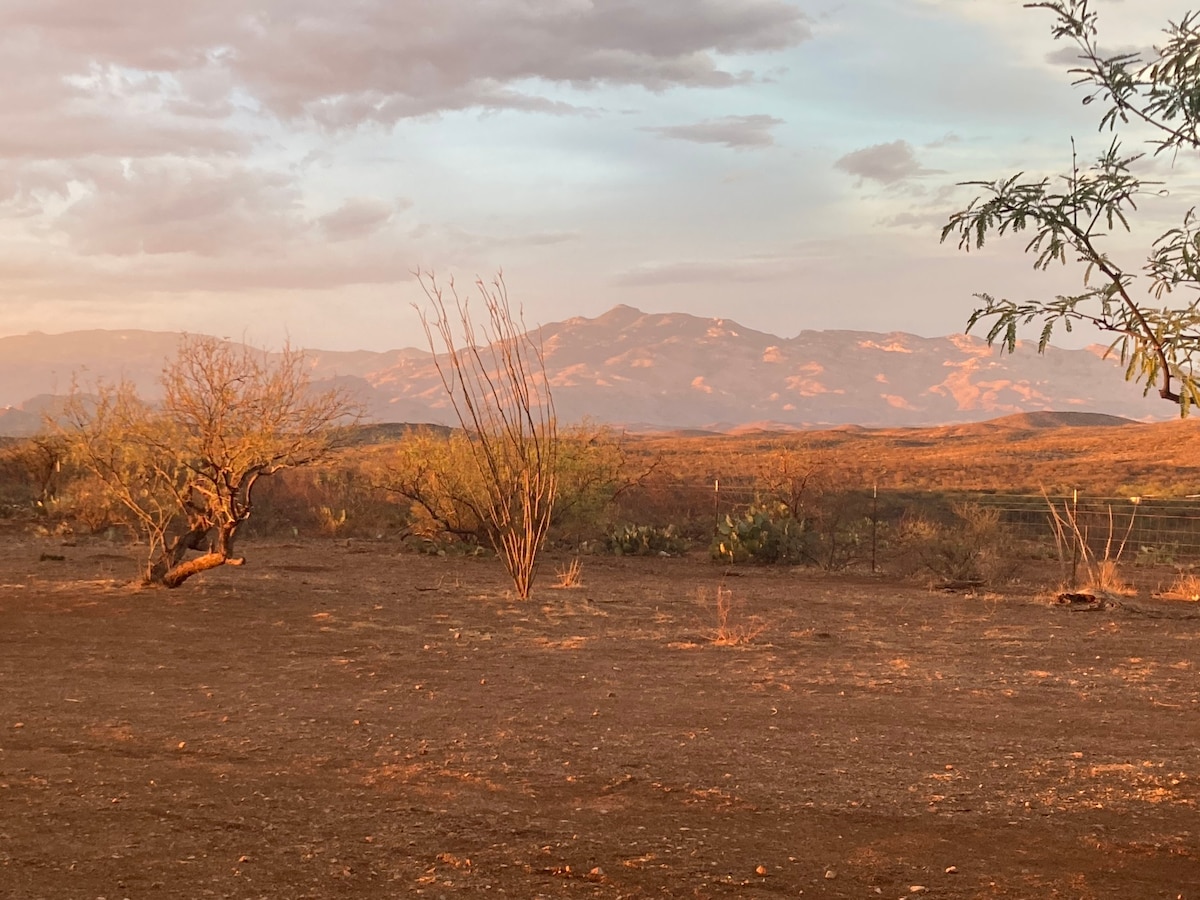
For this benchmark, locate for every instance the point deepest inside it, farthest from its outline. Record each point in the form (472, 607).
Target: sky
(278, 169)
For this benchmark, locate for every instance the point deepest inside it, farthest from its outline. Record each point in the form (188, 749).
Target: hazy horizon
(423, 346)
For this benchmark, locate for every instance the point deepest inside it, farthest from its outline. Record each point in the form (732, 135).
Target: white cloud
(377, 60)
(357, 217)
(885, 163)
(736, 132)
(708, 271)
(175, 207)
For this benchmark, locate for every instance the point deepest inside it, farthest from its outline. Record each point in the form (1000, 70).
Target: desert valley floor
(346, 720)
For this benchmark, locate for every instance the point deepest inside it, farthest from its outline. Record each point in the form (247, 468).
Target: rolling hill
(658, 371)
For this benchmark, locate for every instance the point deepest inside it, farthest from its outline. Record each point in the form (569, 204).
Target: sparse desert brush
(644, 540)
(974, 547)
(571, 576)
(329, 522)
(1186, 586)
(1071, 535)
(729, 632)
(1105, 575)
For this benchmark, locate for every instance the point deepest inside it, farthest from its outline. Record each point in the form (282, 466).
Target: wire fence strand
(1149, 529)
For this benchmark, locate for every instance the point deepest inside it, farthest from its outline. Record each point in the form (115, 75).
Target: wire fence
(1144, 529)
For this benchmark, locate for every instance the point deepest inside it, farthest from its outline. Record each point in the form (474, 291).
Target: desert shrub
(338, 498)
(435, 475)
(1157, 555)
(662, 502)
(87, 502)
(832, 522)
(972, 546)
(645, 540)
(764, 533)
(731, 628)
(593, 470)
(31, 473)
(839, 526)
(1076, 530)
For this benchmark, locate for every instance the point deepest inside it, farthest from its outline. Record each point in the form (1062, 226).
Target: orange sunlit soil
(343, 720)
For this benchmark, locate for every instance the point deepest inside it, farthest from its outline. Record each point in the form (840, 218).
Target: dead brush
(729, 632)
(1071, 537)
(1186, 586)
(571, 576)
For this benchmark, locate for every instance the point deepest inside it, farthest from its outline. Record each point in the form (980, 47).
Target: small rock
(760, 870)
(830, 874)
(917, 889)
(951, 870)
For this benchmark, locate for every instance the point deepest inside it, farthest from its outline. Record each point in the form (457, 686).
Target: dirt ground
(338, 720)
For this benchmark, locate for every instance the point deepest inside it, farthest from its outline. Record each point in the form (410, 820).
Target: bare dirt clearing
(342, 721)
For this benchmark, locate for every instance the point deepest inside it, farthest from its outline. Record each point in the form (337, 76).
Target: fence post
(1075, 537)
(716, 505)
(874, 522)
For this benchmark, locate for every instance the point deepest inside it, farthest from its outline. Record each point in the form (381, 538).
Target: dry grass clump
(1186, 586)
(1071, 536)
(1105, 576)
(571, 576)
(729, 632)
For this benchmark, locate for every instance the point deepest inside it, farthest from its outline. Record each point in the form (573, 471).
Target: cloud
(709, 271)
(184, 131)
(381, 61)
(910, 219)
(885, 163)
(176, 206)
(946, 140)
(736, 132)
(358, 217)
(1070, 55)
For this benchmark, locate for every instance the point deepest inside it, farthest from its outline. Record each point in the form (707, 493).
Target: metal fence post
(874, 523)
(1075, 537)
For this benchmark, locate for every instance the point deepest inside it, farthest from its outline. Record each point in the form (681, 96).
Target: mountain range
(666, 371)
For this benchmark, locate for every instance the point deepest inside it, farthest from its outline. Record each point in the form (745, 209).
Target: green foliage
(592, 473)
(644, 540)
(765, 533)
(436, 475)
(1157, 555)
(1070, 216)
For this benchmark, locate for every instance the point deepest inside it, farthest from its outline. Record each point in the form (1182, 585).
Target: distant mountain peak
(670, 370)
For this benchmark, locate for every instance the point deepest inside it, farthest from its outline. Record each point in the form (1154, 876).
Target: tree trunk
(172, 568)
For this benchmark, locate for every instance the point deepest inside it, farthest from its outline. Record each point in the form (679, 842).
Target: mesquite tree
(184, 470)
(1070, 216)
(496, 381)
